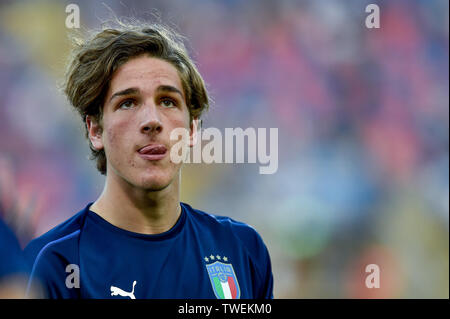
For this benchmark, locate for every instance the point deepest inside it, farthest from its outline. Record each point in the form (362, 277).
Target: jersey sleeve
(266, 290)
(263, 262)
(50, 274)
(259, 258)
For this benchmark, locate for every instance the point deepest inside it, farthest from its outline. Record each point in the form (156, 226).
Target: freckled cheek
(111, 138)
(117, 144)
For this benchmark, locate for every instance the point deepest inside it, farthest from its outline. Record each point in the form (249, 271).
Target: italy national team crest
(223, 279)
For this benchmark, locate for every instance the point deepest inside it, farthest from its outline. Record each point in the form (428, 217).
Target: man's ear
(194, 131)
(94, 132)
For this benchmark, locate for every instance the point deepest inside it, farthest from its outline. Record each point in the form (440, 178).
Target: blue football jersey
(201, 256)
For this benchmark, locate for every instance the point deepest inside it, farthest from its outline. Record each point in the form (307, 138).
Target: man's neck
(138, 210)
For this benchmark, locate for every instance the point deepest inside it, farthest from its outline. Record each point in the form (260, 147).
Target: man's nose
(151, 121)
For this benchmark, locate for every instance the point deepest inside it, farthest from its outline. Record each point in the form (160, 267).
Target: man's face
(144, 103)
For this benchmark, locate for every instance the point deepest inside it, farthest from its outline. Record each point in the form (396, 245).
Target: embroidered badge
(223, 279)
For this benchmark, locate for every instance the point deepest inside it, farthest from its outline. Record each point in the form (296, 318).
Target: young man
(133, 86)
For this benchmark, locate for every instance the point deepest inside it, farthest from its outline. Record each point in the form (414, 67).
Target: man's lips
(153, 152)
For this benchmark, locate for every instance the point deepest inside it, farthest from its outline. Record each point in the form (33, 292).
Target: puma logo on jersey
(117, 291)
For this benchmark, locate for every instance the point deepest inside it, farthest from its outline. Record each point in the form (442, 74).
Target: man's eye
(169, 103)
(127, 104)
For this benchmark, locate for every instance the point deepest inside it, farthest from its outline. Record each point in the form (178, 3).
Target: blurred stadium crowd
(363, 123)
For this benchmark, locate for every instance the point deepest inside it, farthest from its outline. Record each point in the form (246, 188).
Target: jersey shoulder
(229, 227)
(238, 236)
(55, 235)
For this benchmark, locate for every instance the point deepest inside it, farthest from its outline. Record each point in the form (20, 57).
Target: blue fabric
(116, 263)
(12, 261)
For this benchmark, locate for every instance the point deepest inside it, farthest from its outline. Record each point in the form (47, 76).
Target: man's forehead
(145, 72)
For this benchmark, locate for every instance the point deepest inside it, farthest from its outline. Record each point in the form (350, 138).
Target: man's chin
(153, 184)
(153, 180)
(154, 187)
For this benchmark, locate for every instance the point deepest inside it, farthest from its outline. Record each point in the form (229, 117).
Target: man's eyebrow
(169, 88)
(124, 92)
(161, 88)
